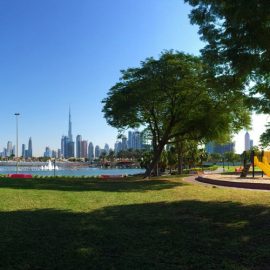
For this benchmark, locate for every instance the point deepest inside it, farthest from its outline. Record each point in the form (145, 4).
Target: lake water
(69, 171)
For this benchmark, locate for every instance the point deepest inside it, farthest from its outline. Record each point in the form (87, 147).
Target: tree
(172, 98)
(111, 156)
(237, 34)
(215, 157)
(265, 137)
(43, 159)
(163, 161)
(187, 151)
(203, 156)
(231, 157)
(146, 158)
(102, 157)
(171, 158)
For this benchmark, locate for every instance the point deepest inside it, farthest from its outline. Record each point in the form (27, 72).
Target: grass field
(136, 224)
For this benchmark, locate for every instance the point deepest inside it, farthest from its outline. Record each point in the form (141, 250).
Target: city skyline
(239, 139)
(49, 64)
(77, 149)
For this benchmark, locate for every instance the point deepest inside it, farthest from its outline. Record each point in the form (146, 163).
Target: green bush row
(197, 169)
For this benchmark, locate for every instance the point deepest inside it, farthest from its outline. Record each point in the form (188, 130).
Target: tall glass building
(30, 149)
(79, 146)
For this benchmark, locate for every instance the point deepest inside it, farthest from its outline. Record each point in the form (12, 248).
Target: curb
(246, 185)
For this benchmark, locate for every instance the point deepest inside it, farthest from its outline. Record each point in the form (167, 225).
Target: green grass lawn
(131, 224)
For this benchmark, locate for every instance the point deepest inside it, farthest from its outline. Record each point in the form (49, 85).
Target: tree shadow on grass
(179, 235)
(89, 184)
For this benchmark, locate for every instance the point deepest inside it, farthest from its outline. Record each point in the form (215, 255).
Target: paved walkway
(218, 170)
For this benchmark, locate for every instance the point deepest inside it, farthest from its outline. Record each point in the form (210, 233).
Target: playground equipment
(245, 170)
(262, 163)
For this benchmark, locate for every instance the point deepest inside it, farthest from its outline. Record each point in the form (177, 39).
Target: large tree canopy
(265, 137)
(237, 34)
(173, 98)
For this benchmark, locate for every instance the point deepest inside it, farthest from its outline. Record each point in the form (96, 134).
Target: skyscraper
(30, 150)
(247, 141)
(97, 151)
(54, 154)
(48, 152)
(63, 146)
(209, 147)
(107, 148)
(130, 139)
(212, 147)
(59, 154)
(9, 148)
(23, 150)
(69, 127)
(117, 147)
(223, 148)
(124, 143)
(67, 144)
(137, 140)
(134, 140)
(78, 146)
(90, 151)
(13, 150)
(70, 149)
(84, 145)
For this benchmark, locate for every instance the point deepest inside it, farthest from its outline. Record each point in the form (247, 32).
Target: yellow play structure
(264, 165)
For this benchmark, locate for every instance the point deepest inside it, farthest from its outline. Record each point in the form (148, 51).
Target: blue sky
(69, 52)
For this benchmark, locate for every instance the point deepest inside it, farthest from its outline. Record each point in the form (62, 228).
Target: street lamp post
(17, 141)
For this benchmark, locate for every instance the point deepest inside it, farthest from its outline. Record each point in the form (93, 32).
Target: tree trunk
(180, 162)
(155, 160)
(158, 146)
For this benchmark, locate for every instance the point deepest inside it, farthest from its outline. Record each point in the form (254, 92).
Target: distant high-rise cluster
(79, 149)
(134, 141)
(52, 153)
(212, 147)
(27, 153)
(10, 150)
(248, 142)
(48, 152)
